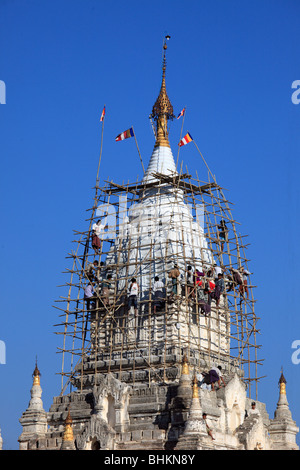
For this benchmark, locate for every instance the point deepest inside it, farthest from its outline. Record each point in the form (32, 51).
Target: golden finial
(36, 375)
(68, 433)
(282, 384)
(162, 110)
(185, 366)
(195, 387)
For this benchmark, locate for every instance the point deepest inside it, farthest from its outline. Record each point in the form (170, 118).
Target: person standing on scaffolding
(174, 275)
(219, 288)
(89, 296)
(236, 280)
(91, 271)
(158, 294)
(223, 230)
(190, 282)
(133, 293)
(245, 275)
(204, 300)
(97, 230)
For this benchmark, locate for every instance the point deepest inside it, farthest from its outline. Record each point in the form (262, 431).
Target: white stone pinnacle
(161, 161)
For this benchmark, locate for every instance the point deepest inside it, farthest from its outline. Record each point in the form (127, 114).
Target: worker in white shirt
(253, 410)
(97, 230)
(158, 293)
(132, 295)
(89, 296)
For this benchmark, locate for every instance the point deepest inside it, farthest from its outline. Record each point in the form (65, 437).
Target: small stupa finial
(185, 365)
(68, 432)
(195, 387)
(36, 374)
(282, 383)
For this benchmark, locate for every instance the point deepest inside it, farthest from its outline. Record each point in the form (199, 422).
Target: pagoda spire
(282, 409)
(195, 427)
(283, 428)
(162, 110)
(34, 419)
(161, 160)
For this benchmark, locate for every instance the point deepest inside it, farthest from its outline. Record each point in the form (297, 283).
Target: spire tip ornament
(68, 432)
(162, 110)
(282, 383)
(185, 365)
(36, 375)
(195, 387)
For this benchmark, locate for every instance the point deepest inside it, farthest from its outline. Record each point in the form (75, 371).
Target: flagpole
(97, 178)
(180, 137)
(138, 150)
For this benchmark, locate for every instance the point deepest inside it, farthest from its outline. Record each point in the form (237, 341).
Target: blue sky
(231, 64)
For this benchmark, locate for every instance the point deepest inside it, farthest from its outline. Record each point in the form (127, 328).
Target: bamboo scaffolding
(228, 334)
